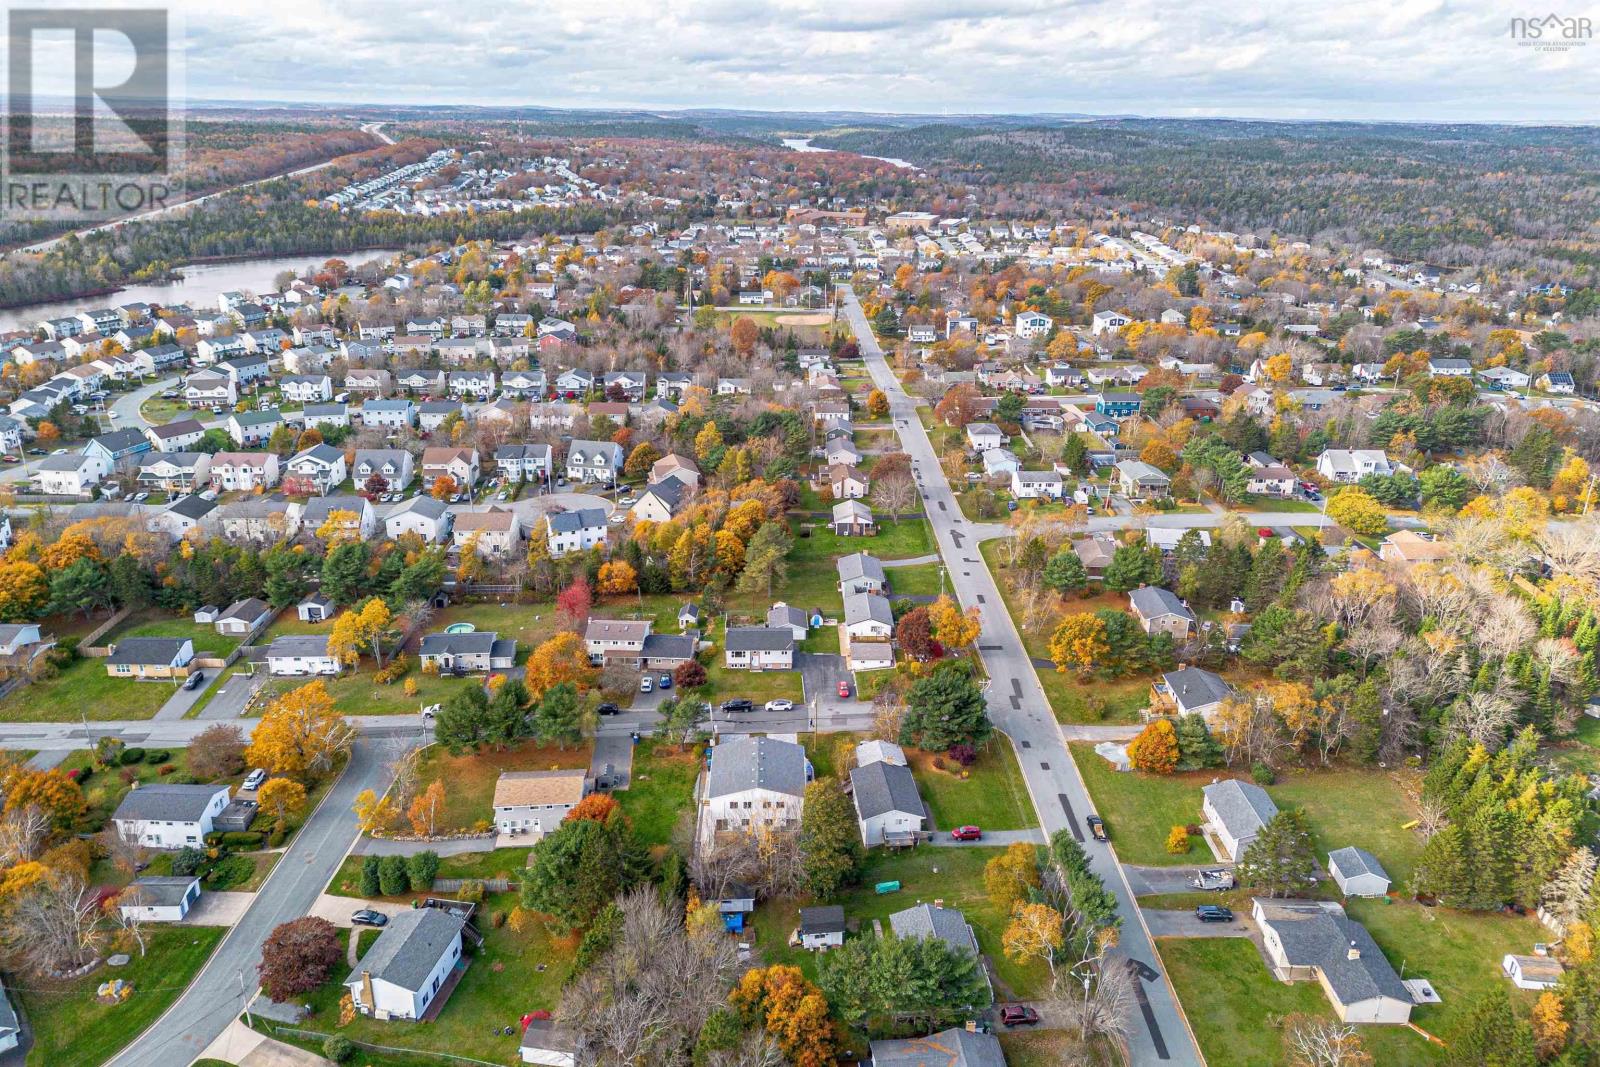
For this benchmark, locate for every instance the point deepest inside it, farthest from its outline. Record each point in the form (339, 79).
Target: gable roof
(163, 802)
(955, 1047)
(930, 920)
(747, 762)
(1243, 807)
(1319, 934)
(1352, 861)
(880, 788)
(759, 639)
(1196, 687)
(147, 651)
(518, 788)
(578, 519)
(860, 565)
(1152, 601)
(410, 946)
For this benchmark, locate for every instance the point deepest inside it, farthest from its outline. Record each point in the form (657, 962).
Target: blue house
(1117, 405)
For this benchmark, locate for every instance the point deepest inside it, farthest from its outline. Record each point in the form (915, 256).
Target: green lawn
(919, 580)
(660, 791)
(823, 640)
(358, 694)
(84, 689)
(71, 1026)
(759, 686)
(346, 881)
(158, 412)
(1291, 505)
(993, 795)
(903, 540)
(206, 639)
(469, 780)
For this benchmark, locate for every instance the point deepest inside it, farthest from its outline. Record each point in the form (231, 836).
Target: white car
(645, 684)
(780, 705)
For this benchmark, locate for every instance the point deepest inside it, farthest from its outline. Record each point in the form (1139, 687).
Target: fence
(490, 885)
(87, 646)
(448, 1057)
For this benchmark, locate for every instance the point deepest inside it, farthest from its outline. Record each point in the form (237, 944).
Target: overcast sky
(1346, 59)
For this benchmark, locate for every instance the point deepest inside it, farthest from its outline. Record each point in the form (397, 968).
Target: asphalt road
(1018, 706)
(220, 992)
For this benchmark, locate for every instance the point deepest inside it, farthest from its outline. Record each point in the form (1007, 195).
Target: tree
(392, 876)
(356, 631)
(51, 792)
(795, 1012)
(877, 405)
(1178, 840)
(374, 812)
(945, 708)
(574, 603)
(81, 587)
(344, 571)
(953, 628)
(690, 674)
(1550, 1027)
(1492, 1035)
(1131, 566)
(1079, 643)
(574, 872)
(708, 443)
(617, 578)
(640, 460)
(596, 807)
(1011, 876)
(217, 752)
(300, 734)
(915, 634)
(563, 658)
(298, 957)
(24, 590)
(1313, 1041)
(894, 492)
(421, 869)
(1197, 749)
(765, 559)
(371, 884)
(1065, 572)
(558, 717)
(681, 717)
(444, 487)
(55, 922)
(1280, 860)
(1036, 931)
(283, 799)
(1355, 509)
(830, 839)
(425, 808)
(462, 722)
(1155, 748)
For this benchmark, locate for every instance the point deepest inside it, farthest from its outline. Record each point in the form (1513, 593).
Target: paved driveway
(219, 909)
(1147, 880)
(820, 675)
(235, 694)
(1184, 924)
(613, 751)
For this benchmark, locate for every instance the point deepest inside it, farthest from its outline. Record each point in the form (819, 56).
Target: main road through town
(1019, 708)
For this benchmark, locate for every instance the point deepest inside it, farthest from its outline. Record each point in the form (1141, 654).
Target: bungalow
(422, 515)
(1036, 485)
(535, 802)
(1138, 480)
(594, 461)
(1506, 377)
(148, 658)
(1409, 547)
(759, 648)
(169, 816)
(460, 465)
(1449, 368)
(1558, 381)
(1160, 611)
(821, 927)
(244, 617)
(321, 466)
(575, 531)
(852, 518)
(176, 436)
(1357, 872)
(889, 809)
(495, 533)
(1236, 813)
(1310, 940)
(1194, 691)
(861, 572)
(479, 651)
(159, 898)
(393, 465)
(417, 954)
(244, 471)
(983, 436)
(300, 654)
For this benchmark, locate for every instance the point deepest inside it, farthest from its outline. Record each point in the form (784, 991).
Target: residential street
(1022, 712)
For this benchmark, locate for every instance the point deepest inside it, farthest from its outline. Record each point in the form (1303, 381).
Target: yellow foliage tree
(1008, 877)
(300, 735)
(1079, 643)
(1036, 931)
(341, 525)
(617, 578)
(1550, 1026)
(1155, 748)
(952, 627)
(563, 658)
(426, 809)
(374, 813)
(283, 799)
(707, 441)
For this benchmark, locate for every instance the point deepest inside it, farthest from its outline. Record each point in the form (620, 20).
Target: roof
(518, 788)
(670, 646)
(1353, 861)
(787, 615)
(1243, 807)
(579, 519)
(546, 1035)
(1140, 471)
(177, 428)
(860, 565)
(930, 920)
(160, 651)
(874, 751)
(193, 506)
(759, 639)
(746, 763)
(955, 1047)
(1196, 687)
(249, 610)
(867, 607)
(445, 643)
(1152, 601)
(409, 947)
(163, 891)
(616, 630)
(298, 646)
(823, 919)
(493, 520)
(880, 788)
(426, 506)
(163, 802)
(1319, 934)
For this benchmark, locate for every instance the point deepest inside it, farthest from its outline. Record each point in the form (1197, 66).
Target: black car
(732, 706)
(1097, 828)
(608, 708)
(368, 917)
(195, 679)
(1213, 913)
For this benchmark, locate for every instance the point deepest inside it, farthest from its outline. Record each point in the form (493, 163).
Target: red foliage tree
(596, 807)
(298, 957)
(690, 675)
(915, 634)
(574, 602)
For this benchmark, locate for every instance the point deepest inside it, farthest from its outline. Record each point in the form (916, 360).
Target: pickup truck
(1212, 880)
(1097, 828)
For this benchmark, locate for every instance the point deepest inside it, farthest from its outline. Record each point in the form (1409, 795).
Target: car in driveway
(368, 917)
(645, 685)
(254, 780)
(966, 833)
(1097, 828)
(780, 705)
(608, 708)
(1213, 913)
(194, 680)
(844, 689)
(664, 682)
(737, 705)
(1018, 1015)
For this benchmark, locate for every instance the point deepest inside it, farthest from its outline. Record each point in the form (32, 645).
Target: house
(1117, 405)
(253, 428)
(398, 414)
(150, 658)
(523, 463)
(852, 518)
(306, 388)
(244, 471)
(983, 436)
(759, 648)
(1506, 377)
(1037, 485)
(1308, 940)
(630, 383)
(1532, 972)
(478, 384)
(889, 809)
(324, 417)
(20, 645)
(1272, 480)
(535, 802)
(210, 389)
(1559, 381)
(393, 465)
(1031, 324)
(261, 520)
(417, 954)
(867, 615)
(1000, 463)
(954, 1047)
(1236, 812)
(1138, 480)
(594, 461)
(315, 608)
(1349, 465)
(1357, 872)
(1108, 322)
(575, 531)
(159, 815)
(424, 516)
(861, 572)
(786, 616)
(821, 927)
(176, 436)
(119, 448)
(574, 383)
(660, 501)
(1195, 691)
(159, 898)
(420, 380)
(432, 414)
(495, 533)
(1449, 368)
(300, 654)
(847, 482)
(478, 651)
(244, 617)
(754, 783)
(1409, 547)
(523, 383)
(320, 467)
(173, 472)
(460, 465)
(1160, 611)
(619, 640)
(946, 924)
(184, 516)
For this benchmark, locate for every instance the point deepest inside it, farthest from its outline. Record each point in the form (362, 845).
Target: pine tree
(1492, 1035)
(1442, 871)
(1280, 861)
(1197, 749)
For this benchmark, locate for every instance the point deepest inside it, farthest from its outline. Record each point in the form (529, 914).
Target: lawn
(530, 624)
(207, 642)
(346, 881)
(759, 686)
(922, 579)
(85, 690)
(105, 789)
(158, 411)
(1288, 505)
(358, 694)
(469, 779)
(1053, 1048)
(1580, 754)
(71, 1026)
(992, 795)
(660, 790)
(903, 540)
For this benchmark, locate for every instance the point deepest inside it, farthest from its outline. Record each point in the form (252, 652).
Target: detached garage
(160, 899)
(1358, 873)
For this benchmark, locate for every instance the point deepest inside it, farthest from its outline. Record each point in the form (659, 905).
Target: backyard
(660, 790)
(360, 694)
(469, 779)
(207, 642)
(903, 540)
(992, 795)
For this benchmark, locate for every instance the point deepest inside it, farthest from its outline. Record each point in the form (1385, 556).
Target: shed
(160, 899)
(821, 927)
(1531, 972)
(1358, 872)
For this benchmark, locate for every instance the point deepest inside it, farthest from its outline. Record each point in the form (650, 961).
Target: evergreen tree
(460, 724)
(1197, 749)
(1280, 860)
(945, 708)
(559, 717)
(1065, 572)
(830, 839)
(1492, 1035)
(1131, 566)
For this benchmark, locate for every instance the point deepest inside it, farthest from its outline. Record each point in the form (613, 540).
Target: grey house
(889, 809)
(1237, 811)
(479, 651)
(947, 924)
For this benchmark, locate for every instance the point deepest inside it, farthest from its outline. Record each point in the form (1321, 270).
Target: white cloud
(1359, 59)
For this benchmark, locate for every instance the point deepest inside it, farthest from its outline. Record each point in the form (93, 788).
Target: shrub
(497, 919)
(371, 884)
(421, 869)
(166, 769)
(242, 839)
(1178, 840)
(275, 838)
(230, 871)
(188, 860)
(157, 755)
(392, 877)
(338, 1048)
(471, 890)
(130, 756)
(128, 775)
(965, 755)
(395, 671)
(1261, 774)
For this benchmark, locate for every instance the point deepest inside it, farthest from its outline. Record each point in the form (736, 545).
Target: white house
(1108, 322)
(1236, 812)
(165, 816)
(244, 471)
(1037, 485)
(821, 927)
(861, 572)
(575, 531)
(1031, 324)
(535, 802)
(321, 466)
(70, 475)
(177, 436)
(754, 783)
(405, 968)
(496, 533)
(159, 898)
(306, 388)
(391, 414)
(393, 465)
(1350, 464)
(422, 515)
(594, 461)
(889, 809)
(1315, 941)
(982, 436)
(1357, 872)
(759, 648)
(294, 655)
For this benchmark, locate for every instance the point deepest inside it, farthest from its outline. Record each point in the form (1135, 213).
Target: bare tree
(123, 911)
(894, 492)
(123, 847)
(55, 925)
(1312, 1041)
(23, 832)
(1482, 718)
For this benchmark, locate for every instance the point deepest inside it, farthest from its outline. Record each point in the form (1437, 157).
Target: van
(254, 780)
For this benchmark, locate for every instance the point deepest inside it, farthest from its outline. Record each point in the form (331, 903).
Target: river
(198, 284)
(803, 144)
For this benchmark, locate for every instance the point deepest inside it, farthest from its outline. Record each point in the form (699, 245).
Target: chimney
(1353, 953)
(367, 999)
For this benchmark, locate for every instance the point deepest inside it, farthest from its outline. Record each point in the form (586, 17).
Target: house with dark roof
(1315, 941)
(955, 1047)
(889, 809)
(577, 530)
(162, 815)
(754, 783)
(150, 658)
(759, 648)
(1160, 611)
(662, 500)
(946, 924)
(244, 617)
(821, 927)
(861, 572)
(1236, 812)
(479, 651)
(295, 655)
(1193, 691)
(418, 954)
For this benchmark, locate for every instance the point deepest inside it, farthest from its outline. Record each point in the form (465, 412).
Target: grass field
(921, 579)
(469, 779)
(206, 639)
(904, 540)
(660, 791)
(993, 795)
(759, 686)
(105, 789)
(84, 689)
(359, 694)
(71, 1026)
(346, 881)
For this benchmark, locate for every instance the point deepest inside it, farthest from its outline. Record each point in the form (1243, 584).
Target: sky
(1410, 60)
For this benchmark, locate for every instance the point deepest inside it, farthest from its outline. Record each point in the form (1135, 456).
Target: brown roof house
(535, 802)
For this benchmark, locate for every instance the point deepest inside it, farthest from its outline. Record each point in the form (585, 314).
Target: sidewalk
(241, 1045)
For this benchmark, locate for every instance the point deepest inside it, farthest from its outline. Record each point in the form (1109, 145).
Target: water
(198, 284)
(803, 144)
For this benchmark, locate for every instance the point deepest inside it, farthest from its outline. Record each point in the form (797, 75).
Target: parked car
(255, 779)
(608, 708)
(844, 689)
(780, 705)
(645, 684)
(665, 681)
(1097, 828)
(1018, 1015)
(368, 917)
(194, 680)
(1213, 913)
(966, 833)
(737, 705)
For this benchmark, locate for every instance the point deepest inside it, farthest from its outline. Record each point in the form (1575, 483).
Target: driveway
(613, 753)
(990, 839)
(820, 675)
(1146, 881)
(231, 700)
(219, 909)
(1184, 924)
(338, 910)
(455, 846)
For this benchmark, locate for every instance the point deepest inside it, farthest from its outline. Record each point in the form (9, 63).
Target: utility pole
(248, 1021)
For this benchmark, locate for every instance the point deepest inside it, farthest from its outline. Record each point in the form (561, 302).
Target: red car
(844, 689)
(1018, 1015)
(966, 833)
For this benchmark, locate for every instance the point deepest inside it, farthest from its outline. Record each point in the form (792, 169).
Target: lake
(198, 284)
(803, 144)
